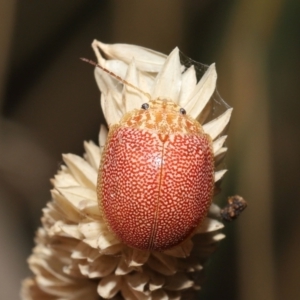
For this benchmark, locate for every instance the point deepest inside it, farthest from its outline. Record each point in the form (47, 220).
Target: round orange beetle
(156, 178)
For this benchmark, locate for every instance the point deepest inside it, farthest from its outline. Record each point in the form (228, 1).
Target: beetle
(156, 176)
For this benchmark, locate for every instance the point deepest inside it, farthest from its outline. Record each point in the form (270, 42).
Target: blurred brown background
(50, 104)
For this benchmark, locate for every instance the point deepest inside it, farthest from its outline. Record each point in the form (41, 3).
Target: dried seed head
(76, 255)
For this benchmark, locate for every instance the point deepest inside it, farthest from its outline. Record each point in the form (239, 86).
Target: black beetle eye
(182, 111)
(145, 106)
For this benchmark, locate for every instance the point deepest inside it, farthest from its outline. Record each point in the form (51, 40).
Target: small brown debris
(236, 204)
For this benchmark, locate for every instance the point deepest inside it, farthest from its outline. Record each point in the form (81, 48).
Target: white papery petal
(146, 59)
(214, 211)
(137, 281)
(101, 267)
(106, 240)
(68, 230)
(219, 175)
(189, 81)
(218, 143)
(168, 81)
(39, 262)
(50, 215)
(220, 152)
(77, 195)
(162, 263)
(209, 225)
(64, 179)
(91, 232)
(135, 257)
(107, 82)
(102, 137)
(156, 280)
(112, 107)
(123, 268)
(90, 210)
(202, 92)
(83, 251)
(92, 154)
(65, 207)
(219, 237)
(132, 98)
(81, 170)
(111, 97)
(146, 81)
(215, 127)
(109, 286)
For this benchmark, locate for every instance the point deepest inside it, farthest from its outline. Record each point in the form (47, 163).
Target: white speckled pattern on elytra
(156, 177)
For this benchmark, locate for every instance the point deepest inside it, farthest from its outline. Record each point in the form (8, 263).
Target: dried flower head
(76, 256)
